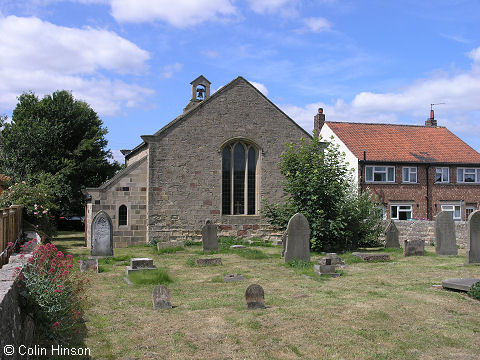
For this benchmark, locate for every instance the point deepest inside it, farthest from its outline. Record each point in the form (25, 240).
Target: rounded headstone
(298, 238)
(255, 297)
(473, 252)
(445, 239)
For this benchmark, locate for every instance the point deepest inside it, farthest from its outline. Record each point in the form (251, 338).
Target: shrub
(38, 198)
(475, 291)
(319, 184)
(51, 293)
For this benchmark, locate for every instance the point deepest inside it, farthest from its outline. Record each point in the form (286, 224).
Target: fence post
(5, 232)
(3, 243)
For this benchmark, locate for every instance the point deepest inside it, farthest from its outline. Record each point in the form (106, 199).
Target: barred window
(122, 215)
(239, 170)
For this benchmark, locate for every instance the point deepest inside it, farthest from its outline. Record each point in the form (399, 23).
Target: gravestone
(102, 235)
(208, 261)
(372, 256)
(161, 298)
(89, 264)
(236, 247)
(325, 267)
(445, 239)
(414, 248)
(333, 259)
(462, 284)
(209, 236)
(298, 239)
(255, 297)
(391, 236)
(234, 278)
(140, 264)
(473, 252)
(284, 242)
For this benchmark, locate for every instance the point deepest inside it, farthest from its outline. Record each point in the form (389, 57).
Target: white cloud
(118, 156)
(261, 87)
(43, 57)
(179, 13)
(317, 24)
(459, 91)
(268, 6)
(171, 69)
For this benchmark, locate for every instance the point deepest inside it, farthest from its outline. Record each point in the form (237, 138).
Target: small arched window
(122, 215)
(239, 185)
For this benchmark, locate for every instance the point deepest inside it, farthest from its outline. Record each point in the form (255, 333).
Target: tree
(319, 184)
(61, 136)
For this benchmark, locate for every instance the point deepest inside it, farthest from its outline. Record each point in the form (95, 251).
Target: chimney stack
(431, 122)
(318, 121)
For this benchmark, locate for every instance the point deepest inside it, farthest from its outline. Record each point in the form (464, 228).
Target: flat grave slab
(208, 261)
(140, 264)
(461, 284)
(234, 278)
(372, 257)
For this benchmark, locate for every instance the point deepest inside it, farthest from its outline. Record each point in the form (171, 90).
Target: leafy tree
(57, 135)
(319, 184)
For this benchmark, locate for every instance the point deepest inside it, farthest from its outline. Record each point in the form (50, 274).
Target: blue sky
(362, 61)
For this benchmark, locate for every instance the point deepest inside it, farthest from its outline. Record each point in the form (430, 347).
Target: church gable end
(218, 161)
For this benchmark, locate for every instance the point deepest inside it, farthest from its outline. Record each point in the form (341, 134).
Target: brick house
(416, 171)
(217, 161)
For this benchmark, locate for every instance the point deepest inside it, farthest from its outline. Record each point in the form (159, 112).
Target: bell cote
(200, 91)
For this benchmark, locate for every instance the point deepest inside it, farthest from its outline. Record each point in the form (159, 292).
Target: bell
(200, 93)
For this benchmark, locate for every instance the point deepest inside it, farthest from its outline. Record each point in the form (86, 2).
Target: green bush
(169, 250)
(475, 291)
(319, 184)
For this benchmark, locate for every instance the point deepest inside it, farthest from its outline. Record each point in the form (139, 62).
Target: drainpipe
(428, 194)
(362, 169)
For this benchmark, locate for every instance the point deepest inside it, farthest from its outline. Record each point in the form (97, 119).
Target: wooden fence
(10, 229)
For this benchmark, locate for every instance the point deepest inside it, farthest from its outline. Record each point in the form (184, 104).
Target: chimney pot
(431, 122)
(320, 110)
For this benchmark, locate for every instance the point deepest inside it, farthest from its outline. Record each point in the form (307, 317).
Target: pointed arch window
(122, 215)
(239, 179)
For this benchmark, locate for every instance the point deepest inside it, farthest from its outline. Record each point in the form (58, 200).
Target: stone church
(216, 161)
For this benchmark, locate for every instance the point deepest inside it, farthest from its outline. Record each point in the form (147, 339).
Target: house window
(442, 175)
(456, 210)
(380, 173)
(468, 210)
(468, 175)
(239, 169)
(409, 175)
(401, 212)
(122, 215)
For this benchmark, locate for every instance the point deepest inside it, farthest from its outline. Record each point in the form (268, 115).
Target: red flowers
(56, 325)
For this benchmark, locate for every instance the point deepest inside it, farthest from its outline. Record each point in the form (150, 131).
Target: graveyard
(381, 309)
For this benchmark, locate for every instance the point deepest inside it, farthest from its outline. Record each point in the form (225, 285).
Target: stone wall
(128, 188)
(185, 163)
(425, 230)
(15, 327)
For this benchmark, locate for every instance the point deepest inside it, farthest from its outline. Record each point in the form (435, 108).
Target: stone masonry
(177, 184)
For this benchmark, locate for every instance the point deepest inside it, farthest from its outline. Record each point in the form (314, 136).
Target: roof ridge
(384, 124)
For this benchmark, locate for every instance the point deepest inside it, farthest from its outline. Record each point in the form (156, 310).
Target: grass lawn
(382, 310)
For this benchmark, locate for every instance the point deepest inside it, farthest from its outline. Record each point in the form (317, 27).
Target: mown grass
(382, 310)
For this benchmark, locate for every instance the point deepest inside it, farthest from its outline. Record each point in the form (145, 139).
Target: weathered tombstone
(325, 267)
(233, 278)
(473, 252)
(255, 297)
(298, 239)
(284, 242)
(445, 239)
(209, 236)
(236, 247)
(161, 298)
(372, 256)
(391, 236)
(414, 248)
(334, 260)
(170, 244)
(464, 284)
(140, 264)
(208, 261)
(89, 264)
(102, 235)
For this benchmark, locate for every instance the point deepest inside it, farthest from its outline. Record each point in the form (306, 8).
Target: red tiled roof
(404, 143)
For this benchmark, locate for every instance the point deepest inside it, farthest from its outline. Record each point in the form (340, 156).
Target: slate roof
(404, 143)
